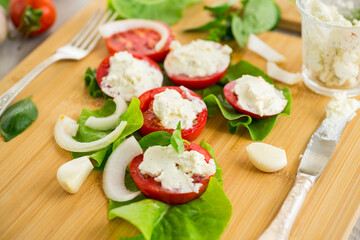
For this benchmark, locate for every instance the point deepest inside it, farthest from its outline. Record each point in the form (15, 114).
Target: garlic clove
(266, 157)
(72, 174)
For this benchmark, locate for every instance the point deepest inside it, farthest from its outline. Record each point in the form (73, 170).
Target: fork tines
(88, 36)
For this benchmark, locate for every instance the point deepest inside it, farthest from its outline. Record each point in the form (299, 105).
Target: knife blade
(317, 154)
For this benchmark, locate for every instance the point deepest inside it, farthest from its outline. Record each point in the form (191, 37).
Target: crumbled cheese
(129, 77)
(170, 108)
(258, 96)
(197, 59)
(339, 111)
(173, 170)
(331, 53)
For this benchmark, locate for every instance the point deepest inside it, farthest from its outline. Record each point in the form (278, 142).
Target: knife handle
(280, 227)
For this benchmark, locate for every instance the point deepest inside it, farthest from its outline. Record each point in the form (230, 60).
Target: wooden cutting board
(290, 15)
(34, 206)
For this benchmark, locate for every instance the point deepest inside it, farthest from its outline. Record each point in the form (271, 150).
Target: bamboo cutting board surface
(34, 206)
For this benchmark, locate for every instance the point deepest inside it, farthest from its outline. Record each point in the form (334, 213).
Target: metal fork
(79, 47)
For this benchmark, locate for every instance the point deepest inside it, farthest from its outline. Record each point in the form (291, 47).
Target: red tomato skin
(196, 82)
(153, 124)
(153, 189)
(232, 98)
(103, 69)
(17, 9)
(157, 56)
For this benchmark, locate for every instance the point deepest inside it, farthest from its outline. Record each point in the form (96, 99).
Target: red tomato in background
(153, 189)
(103, 69)
(152, 123)
(232, 98)
(17, 8)
(140, 41)
(196, 82)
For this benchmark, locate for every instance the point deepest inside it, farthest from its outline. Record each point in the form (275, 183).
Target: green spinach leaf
(5, 4)
(176, 140)
(90, 80)
(17, 118)
(161, 138)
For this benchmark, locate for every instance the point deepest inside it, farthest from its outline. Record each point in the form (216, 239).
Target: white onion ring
(261, 48)
(108, 122)
(66, 128)
(109, 29)
(274, 71)
(114, 172)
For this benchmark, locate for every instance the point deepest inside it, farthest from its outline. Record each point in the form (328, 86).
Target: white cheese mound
(258, 96)
(174, 170)
(130, 77)
(197, 59)
(170, 108)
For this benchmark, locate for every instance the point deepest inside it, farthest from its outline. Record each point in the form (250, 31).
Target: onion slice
(261, 48)
(114, 172)
(274, 71)
(109, 29)
(66, 128)
(108, 122)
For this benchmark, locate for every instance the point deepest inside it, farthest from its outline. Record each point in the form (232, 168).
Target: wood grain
(290, 15)
(34, 206)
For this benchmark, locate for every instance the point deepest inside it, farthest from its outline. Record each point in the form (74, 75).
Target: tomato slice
(196, 82)
(152, 123)
(103, 69)
(140, 41)
(153, 189)
(232, 98)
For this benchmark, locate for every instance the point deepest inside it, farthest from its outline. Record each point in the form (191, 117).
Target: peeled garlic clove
(266, 157)
(72, 174)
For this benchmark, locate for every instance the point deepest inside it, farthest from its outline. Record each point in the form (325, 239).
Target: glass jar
(331, 46)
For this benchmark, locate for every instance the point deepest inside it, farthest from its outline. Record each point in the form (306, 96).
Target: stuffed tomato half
(197, 65)
(163, 108)
(128, 75)
(139, 36)
(163, 174)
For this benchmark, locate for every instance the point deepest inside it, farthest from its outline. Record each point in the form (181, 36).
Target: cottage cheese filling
(171, 108)
(129, 77)
(257, 96)
(197, 59)
(331, 53)
(174, 170)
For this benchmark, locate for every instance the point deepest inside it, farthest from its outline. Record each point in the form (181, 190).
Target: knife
(317, 153)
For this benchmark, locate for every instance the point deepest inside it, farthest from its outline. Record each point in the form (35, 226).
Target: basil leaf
(17, 118)
(214, 99)
(168, 11)
(204, 218)
(176, 140)
(161, 138)
(132, 116)
(90, 80)
(219, 171)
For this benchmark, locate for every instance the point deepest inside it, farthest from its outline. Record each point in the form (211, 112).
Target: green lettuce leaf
(17, 118)
(203, 218)
(132, 115)
(90, 80)
(168, 11)
(5, 4)
(219, 171)
(215, 99)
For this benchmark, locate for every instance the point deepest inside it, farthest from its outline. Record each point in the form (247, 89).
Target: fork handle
(281, 226)
(9, 95)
